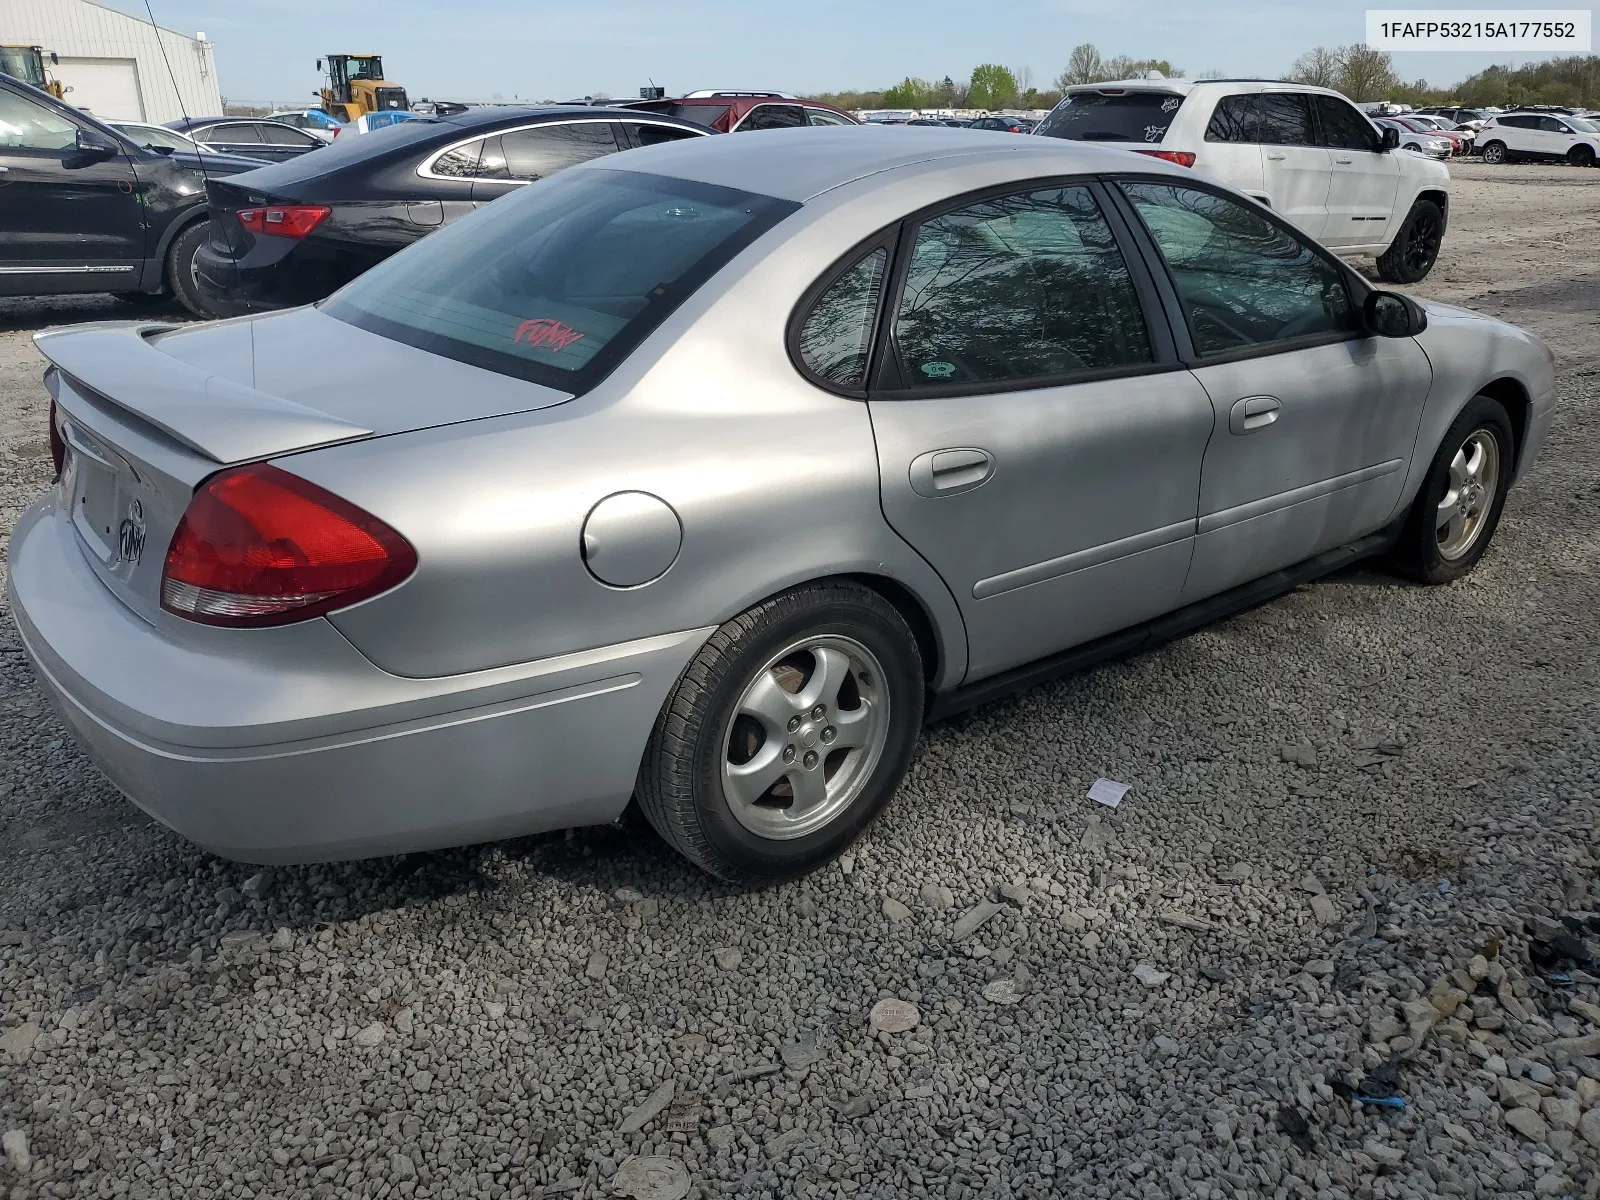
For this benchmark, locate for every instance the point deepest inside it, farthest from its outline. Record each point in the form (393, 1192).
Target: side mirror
(1391, 137)
(93, 147)
(1389, 314)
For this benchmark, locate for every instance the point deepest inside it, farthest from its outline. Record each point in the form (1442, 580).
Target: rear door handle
(950, 472)
(1253, 413)
(1277, 157)
(1344, 162)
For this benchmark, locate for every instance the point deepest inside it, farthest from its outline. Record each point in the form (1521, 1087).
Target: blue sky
(267, 51)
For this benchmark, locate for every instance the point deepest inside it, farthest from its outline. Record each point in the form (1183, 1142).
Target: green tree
(910, 92)
(1083, 66)
(1367, 74)
(992, 86)
(946, 91)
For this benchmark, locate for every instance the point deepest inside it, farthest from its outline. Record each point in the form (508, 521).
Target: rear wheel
(1581, 156)
(1416, 248)
(182, 276)
(1494, 153)
(787, 734)
(1458, 507)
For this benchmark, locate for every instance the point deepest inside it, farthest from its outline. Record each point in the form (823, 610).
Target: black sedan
(294, 232)
(271, 141)
(86, 208)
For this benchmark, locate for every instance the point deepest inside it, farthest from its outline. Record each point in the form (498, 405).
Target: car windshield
(151, 136)
(558, 282)
(1101, 117)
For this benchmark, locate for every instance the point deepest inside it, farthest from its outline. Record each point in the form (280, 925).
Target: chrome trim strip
(426, 170)
(1222, 518)
(86, 269)
(1082, 560)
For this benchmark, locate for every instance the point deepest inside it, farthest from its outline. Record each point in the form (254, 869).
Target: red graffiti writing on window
(547, 332)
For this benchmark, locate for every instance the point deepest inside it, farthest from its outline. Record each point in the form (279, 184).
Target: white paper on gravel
(1108, 792)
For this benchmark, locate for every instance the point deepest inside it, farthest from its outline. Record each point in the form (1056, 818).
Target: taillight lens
(284, 220)
(58, 444)
(1184, 158)
(259, 546)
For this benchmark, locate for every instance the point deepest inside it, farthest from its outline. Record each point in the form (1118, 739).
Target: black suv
(85, 208)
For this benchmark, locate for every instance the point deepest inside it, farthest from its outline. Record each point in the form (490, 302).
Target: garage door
(106, 87)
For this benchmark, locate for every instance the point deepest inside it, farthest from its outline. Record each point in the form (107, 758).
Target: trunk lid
(149, 410)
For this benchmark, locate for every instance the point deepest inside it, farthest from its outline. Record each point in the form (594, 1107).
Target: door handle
(1277, 157)
(1253, 413)
(950, 472)
(1344, 162)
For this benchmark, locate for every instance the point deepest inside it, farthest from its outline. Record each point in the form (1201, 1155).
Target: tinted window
(460, 162)
(1242, 280)
(773, 116)
(1343, 127)
(1023, 287)
(1131, 117)
(838, 330)
(646, 134)
(282, 135)
(546, 149)
(700, 114)
(1285, 119)
(556, 283)
(1551, 125)
(821, 116)
(228, 133)
(30, 126)
(1234, 121)
(1520, 122)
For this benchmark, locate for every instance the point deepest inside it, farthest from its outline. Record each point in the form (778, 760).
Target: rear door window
(1343, 128)
(1234, 121)
(459, 162)
(558, 283)
(1100, 117)
(543, 150)
(1017, 291)
(282, 135)
(1285, 119)
(773, 116)
(836, 334)
(234, 134)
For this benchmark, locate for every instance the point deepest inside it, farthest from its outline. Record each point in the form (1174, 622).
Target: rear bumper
(296, 748)
(303, 275)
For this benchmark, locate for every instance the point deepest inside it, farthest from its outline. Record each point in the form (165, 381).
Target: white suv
(1540, 135)
(1305, 152)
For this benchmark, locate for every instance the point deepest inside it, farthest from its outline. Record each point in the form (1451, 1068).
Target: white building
(112, 63)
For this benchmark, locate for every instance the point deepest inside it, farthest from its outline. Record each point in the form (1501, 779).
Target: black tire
(1581, 156)
(1419, 553)
(1415, 248)
(1494, 153)
(680, 786)
(180, 272)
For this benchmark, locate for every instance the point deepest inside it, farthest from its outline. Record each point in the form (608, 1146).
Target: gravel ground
(1346, 808)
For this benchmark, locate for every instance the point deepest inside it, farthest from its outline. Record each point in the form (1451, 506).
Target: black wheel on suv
(1494, 153)
(1416, 248)
(181, 275)
(1581, 156)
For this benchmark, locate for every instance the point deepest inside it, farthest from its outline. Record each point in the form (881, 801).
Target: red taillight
(1184, 158)
(259, 546)
(58, 445)
(284, 220)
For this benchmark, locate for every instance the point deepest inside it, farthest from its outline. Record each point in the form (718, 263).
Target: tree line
(1360, 72)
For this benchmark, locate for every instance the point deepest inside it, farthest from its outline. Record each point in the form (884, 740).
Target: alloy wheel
(1422, 243)
(806, 735)
(1469, 495)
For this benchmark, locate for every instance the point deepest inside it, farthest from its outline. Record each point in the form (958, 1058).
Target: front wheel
(1416, 248)
(1581, 156)
(1494, 153)
(787, 735)
(1458, 506)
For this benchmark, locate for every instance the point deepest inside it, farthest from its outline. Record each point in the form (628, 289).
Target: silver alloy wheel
(805, 737)
(1469, 495)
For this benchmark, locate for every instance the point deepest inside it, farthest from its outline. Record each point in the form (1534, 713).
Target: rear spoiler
(223, 420)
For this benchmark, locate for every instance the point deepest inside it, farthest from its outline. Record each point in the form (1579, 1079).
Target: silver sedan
(705, 474)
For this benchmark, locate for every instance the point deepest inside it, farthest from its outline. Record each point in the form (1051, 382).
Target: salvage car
(1305, 152)
(88, 208)
(295, 232)
(706, 475)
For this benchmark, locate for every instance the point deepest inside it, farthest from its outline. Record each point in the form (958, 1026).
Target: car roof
(800, 164)
(1184, 87)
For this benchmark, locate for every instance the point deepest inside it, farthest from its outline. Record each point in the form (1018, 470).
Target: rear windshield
(557, 282)
(1097, 117)
(700, 114)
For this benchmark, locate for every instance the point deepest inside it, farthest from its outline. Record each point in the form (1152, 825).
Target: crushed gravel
(1331, 944)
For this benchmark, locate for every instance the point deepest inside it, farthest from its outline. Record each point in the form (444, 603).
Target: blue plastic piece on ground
(1381, 1101)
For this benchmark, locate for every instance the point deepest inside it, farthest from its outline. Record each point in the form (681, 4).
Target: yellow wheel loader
(356, 87)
